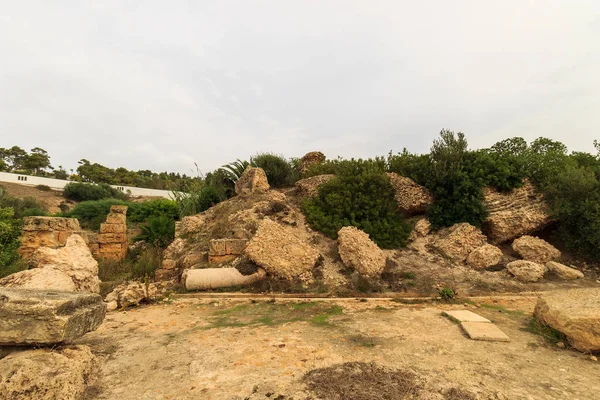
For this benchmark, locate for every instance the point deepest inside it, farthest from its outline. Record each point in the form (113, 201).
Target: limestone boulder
(484, 257)
(281, 251)
(312, 158)
(526, 271)
(41, 317)
(535, 249)
(519, 212)
(48, 278)
(458, 241)
(563, 272)
(130, 294)
(75, 260)
(359, 252)
(575, 313)
(46, 374)
(411, 197)
(309, 187)
(421, 228)
(253, 180)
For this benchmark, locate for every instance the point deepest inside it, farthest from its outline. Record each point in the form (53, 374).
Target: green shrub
(158, 231)
(141, 212)
(27, 206)
(279, 171)
(365, 201)
(10, 230)
(350, 167)
(77, 191)
(92, 213)
(44, 188)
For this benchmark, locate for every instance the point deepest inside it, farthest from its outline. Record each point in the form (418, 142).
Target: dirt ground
(195, 348)
(52, 198)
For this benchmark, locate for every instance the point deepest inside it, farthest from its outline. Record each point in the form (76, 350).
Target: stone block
(165, 274)
(484, 331)
(169, 264)
(116, 219)
(112, 228)
(111, 248)
(50, 224)
(464, 316)
(41, 317)
(221, 259)
(92, 238)
(223, 247)
(118, 210)
(104, 238)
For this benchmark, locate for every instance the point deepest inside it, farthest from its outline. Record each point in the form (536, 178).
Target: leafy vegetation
(158, 231)
(279, 171)
(10, 230)
(77, 191)
(365, 201)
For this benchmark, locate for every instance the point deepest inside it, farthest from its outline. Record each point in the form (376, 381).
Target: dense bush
(88, 191)
(158, 231)
(10, 230)
(351, 167)
(25, 207)
(142, 211)
(92, 213)
(365, 201)
(279, 171)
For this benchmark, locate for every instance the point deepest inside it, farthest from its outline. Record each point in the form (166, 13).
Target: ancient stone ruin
(49, 232)
(112, 240)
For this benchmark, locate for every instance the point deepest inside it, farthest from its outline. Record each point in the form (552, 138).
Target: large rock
(31, 317)
(359, 252)
(312, 158)
(575, 313)
(535, 249)
(130, 294)
(457, 241)
(411, 197)
(526, 271)
(47, 278)
(520, 212)
(47, 374)
(563, 272)
(484, 257)
(46, 232)
(252, 180)
(280, 251)
(309, 187)
(75, 260)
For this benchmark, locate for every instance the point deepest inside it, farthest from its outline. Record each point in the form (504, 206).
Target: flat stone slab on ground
(42, 317)
(464, 316)
(484, 331)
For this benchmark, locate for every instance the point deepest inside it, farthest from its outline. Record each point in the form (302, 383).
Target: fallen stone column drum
(214, 278)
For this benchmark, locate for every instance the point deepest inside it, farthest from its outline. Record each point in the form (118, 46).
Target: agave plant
(234, 170)
(158, 231)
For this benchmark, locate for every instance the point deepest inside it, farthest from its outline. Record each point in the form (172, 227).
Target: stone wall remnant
(50, 232)
(112, 240)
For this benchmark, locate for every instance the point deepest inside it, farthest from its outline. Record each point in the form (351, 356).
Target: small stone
(560, 345)
(593, 358)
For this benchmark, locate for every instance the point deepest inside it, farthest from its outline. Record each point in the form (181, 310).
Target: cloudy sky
(160, 85)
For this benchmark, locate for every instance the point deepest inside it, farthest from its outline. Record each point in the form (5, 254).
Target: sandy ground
(51, 199)
(192, 348)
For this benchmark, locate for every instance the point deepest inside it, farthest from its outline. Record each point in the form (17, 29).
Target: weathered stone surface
(464, 316)
(116, 219)
(214, 278)
(223, 247)
(46, 374)
(535, 249)
(564, 272)
(47, 278)
(520, 212)
(309, 187)
(412, 198)
(252, 180)
(421, 228)
(526, 271)
(113, 244)
(30, 317)
(106, 238)
(457, 241)
(46, 232)
(75, 260)
(484, 331)
(112, 228)
(359, 252)
(312, 158)
(280, 251)
(575, 313)
(484, 257)
(130, 294)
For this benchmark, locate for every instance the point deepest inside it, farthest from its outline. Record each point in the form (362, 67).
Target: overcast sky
(159, 85)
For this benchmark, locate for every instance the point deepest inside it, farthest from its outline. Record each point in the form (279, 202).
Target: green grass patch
(549, 334)
(503, 310)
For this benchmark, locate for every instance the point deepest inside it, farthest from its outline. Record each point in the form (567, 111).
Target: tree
(37, 161)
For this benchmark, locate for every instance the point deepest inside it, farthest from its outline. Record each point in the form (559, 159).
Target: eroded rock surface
(526, 271)
(575, 313)
(535, 249)
(46, 232)
(312, 158)
(564, 272)
(47, 317)
(130, 294)
(47, 374)
(47, 278)
(458, 241)
(309, 187)
(484, 257)
(520, 212)
(411, 197)
(252, 180)
(359, 252)
(280, 251)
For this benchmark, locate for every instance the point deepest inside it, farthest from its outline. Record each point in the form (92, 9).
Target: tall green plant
(158, 231)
